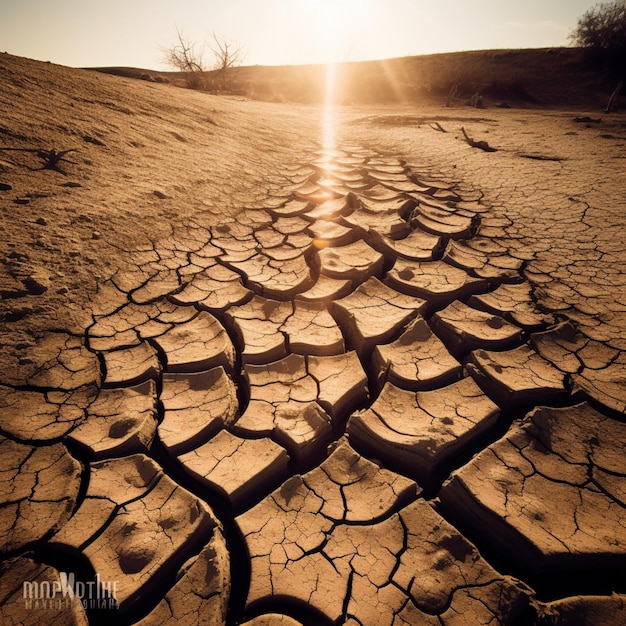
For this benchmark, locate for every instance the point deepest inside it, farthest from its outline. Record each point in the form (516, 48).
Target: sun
(334, 24)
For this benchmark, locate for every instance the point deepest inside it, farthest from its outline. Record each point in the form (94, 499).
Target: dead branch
(51, 158)
(226, 53)
(611, 103)
(481, 145)
(184, 57)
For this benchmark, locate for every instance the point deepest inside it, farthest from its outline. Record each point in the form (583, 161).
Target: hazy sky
(88, 33)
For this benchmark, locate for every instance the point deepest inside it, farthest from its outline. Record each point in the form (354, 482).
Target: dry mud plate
(344, 406)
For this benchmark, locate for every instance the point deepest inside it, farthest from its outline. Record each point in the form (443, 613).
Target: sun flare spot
(334, 24)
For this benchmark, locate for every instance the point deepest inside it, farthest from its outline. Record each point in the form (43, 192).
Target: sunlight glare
(334, 26)
(329, 121)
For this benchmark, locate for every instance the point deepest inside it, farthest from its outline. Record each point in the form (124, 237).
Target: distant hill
(543, 77)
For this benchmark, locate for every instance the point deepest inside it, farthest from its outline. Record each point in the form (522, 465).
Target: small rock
(96, 234)
(159, 194)
(585, 119)
(5, 187)
(33, 286)
(93, 140)
(41, 221)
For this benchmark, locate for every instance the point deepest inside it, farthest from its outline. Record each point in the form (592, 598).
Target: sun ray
(333, 25)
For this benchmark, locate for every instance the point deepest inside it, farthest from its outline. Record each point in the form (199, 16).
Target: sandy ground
(147, 156)
(152, 176)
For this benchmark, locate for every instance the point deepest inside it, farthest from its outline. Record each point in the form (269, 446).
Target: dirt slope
(144, 158)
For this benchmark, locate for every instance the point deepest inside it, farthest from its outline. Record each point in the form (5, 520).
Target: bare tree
(226, 54)
(184, 56)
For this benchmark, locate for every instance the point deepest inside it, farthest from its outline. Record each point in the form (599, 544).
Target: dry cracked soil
(283, 364)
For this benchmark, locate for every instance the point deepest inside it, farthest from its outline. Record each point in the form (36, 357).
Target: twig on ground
(585, 119)
(481, 145)
(51, 158)
(438, 126)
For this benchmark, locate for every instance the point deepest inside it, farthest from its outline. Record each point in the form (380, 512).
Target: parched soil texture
(345, 404)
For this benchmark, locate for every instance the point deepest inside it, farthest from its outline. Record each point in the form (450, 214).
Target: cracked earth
(371, 397)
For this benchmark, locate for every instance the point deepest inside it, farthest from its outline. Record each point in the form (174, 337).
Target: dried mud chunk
(135, 524)
(54, 361)
(236, 240)
(416, 360)
(437, 282)
(132, 323)
(480, 263)
(356, 261)
(328, 233)
(213, 289)
(196, 407)
(514, 302)
(437, 221)
(276, 278)
(397, 205)
(131, 365)
(283, 404)
(551, 492)
(559, 345)
(112, 484)
(293, 248)
(287, 532)
(516, 376)
(607, 386)
(291, 209)
(258, 326)
(354, 489)
(21, 583)
(326, 290)
(269, 238)
(415, 433)
(374, 313)
(197, 345)
(464, 329)
(202, 590)
(498, 602)
(328, 207)
(411, 563)
(240, 469)
(291, 225)
(386, 225)
(415, 246)
(158, 285)
(120, 421)
(312, 330)
(38, 490)
(379, 193)
(341, 381)
(41, 416)
(438, 561)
